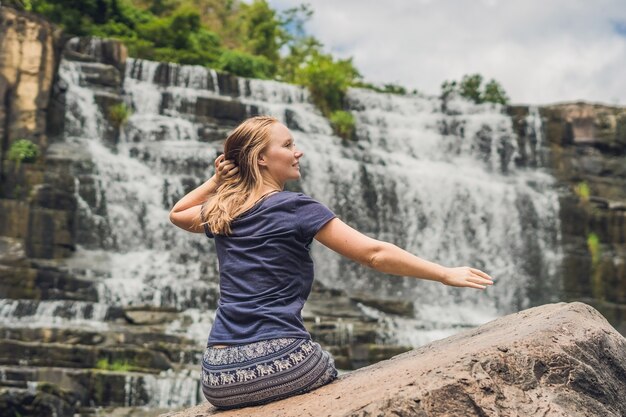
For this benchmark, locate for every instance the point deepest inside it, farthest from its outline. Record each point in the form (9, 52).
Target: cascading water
(441, 183)
(439, 179)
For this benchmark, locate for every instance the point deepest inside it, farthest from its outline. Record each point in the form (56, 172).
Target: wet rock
(91, 49)
(150, 316)
(34, 403)
(78, 356)
(559, 359)
(398, 307)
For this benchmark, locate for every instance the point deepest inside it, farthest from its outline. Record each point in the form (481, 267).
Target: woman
(258, 349)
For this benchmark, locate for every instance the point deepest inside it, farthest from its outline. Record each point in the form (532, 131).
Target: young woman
(258, 349)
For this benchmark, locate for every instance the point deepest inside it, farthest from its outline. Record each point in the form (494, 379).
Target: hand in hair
(224, 169)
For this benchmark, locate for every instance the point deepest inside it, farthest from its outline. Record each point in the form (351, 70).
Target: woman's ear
(261, 161)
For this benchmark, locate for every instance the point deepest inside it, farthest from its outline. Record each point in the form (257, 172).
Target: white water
(54, 313)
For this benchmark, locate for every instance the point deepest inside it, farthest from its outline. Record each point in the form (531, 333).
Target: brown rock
(555, 360)
(28, 56)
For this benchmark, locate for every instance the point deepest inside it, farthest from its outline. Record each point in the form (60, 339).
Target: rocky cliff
(29, 56)
(587, 156)
(553, 360)
(29, 50)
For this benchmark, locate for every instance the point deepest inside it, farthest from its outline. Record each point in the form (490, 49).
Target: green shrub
(386, 88)
(593, 244)
(327, 80)
(118, 114)
(494, 93)
(343, 124)
(23, 150)
(470, 87)
(246, 65)
(582, 191)
(118, 366)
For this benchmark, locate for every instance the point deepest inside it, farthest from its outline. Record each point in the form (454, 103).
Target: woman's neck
(270, 185)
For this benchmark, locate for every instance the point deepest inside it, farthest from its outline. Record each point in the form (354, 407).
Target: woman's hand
(464, 276)
(224, 169)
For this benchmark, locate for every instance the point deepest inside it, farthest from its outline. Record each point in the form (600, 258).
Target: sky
(540, 51)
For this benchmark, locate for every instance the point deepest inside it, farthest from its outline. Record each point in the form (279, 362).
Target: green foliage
(246, 65)
(394, 89)
(299, 51)
(597, 282)
(118, 366)
(593, 243)
(470, 87)
(327, 79)
(246, 38)
(386, 88)
(19, 4)
(448, 88)
(173, 31)
(261, 32)
(343, 124)
(582, 191)
(23, 150)
(161, 7)
(494, 93)
(78, 17)
(118, 114)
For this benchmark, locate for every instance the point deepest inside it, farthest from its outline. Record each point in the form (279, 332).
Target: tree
(261, 31)
(494, 93)
(448, 88)
(470, 87)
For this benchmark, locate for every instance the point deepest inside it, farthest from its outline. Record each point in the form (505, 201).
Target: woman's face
(280, 158)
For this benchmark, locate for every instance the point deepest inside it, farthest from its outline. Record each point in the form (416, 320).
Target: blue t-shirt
(266, 271)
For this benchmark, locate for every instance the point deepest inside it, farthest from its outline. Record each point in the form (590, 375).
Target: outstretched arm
(185, 213)
(388, 258)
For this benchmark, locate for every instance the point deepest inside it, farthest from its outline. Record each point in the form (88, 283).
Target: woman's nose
(298, 154)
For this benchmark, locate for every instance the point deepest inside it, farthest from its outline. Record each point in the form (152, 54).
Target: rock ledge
(559, 359)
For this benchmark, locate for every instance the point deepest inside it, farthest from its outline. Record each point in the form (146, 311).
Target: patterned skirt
(265, 371)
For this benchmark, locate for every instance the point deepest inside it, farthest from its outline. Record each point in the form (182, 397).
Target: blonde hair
(236, 194)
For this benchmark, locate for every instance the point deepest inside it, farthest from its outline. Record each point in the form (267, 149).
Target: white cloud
(540, 51)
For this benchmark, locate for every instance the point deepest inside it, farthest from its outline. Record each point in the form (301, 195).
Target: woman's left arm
(388, 258)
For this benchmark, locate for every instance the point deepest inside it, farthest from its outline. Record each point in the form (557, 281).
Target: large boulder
(554, 360)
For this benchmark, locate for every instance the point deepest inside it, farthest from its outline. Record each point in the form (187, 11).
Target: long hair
(235, 195)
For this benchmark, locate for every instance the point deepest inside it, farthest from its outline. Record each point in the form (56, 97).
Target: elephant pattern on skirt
(259, 370)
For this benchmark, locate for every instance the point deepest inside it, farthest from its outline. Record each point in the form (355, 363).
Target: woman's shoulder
(295, 197)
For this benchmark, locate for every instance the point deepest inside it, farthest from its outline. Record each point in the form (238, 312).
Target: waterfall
(445, 180)
(438, 179)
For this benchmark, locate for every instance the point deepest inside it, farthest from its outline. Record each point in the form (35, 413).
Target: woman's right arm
(388, 258)
(185, 212)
